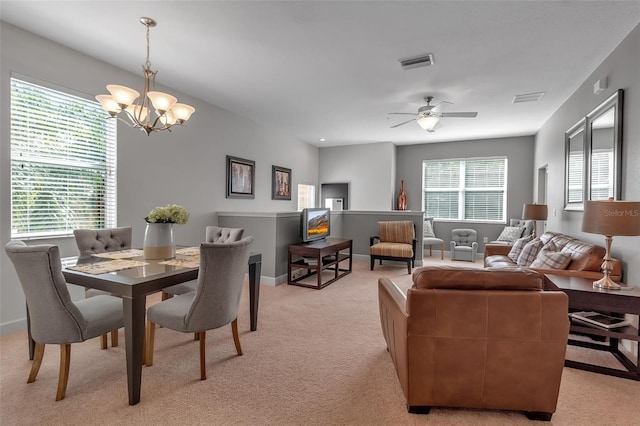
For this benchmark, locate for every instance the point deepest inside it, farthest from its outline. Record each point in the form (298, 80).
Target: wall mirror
(593, 155)
(575, 166)
(604, 149)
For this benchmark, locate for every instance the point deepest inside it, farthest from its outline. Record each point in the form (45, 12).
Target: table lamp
(534, 212)
(609, 218)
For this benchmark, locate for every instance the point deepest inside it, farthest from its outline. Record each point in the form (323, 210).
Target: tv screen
(315, 224)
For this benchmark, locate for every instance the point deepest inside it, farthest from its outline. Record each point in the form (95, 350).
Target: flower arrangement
(171, 213)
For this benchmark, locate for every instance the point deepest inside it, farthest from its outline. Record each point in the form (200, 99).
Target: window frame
(68, 162)
(462, 189)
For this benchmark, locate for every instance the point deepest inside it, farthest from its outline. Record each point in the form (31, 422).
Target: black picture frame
(280, 183)
(241, 177)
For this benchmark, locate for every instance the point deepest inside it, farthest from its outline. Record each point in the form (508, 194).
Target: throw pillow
(529, 252)
(428, 229)
(548, 259)
(511, 233)
(517, 247)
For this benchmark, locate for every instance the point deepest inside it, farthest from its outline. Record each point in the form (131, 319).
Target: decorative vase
(158, 241)
(402, 198)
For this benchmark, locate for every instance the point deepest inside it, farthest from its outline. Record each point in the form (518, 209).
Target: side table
(583, 296)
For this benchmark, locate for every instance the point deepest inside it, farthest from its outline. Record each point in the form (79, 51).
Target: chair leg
(37, 362)
(373, 261)
(103, 342)
(65, 359)
(196, 336)
(430, 254)
(203, 363)
(442, 252)
(165, 296)
(151, 332)
(114, 338)
(409, 266)
(236, 338)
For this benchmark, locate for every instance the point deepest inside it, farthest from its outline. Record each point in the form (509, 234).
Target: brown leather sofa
(586, 258)
(476, 338)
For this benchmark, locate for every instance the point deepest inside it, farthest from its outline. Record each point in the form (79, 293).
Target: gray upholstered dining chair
(213, 234)
(54, 317)
(429, 237)
(215, 302)
(93, 241)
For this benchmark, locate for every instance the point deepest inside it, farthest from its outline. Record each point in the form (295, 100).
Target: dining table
(128, 275)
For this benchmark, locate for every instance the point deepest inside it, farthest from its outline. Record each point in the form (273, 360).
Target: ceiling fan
(429, 116)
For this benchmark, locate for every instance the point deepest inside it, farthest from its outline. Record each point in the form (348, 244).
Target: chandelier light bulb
(182, 111)
(162, 101)
(109, 104)
(122, 94)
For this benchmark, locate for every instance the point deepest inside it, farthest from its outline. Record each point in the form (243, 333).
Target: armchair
(464, 244)
(395, 241)
(475, 338)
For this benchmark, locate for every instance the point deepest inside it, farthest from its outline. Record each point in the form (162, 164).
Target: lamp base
(606, 283)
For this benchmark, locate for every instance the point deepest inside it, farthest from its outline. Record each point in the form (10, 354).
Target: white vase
(158, 241)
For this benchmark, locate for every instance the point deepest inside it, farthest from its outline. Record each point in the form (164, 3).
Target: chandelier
(122, 101)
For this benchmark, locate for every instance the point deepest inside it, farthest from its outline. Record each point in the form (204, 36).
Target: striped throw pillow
(548, 259)
(529, 252)
(517, 247)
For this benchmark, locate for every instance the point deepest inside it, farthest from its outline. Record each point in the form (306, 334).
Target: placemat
(98, 268)
(120, 254)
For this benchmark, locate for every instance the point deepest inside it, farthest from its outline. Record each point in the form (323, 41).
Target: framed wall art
(280, 183)
(241, 177)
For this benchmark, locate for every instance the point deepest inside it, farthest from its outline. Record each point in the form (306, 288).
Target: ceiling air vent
(417, 61)
(527, 97)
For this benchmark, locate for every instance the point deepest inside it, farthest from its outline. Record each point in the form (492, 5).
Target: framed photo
(241, 178)
(280, 183)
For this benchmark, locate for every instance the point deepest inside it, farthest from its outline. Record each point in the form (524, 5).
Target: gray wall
(519, 152)
(368, 168)
(622, 70)
(186, 166)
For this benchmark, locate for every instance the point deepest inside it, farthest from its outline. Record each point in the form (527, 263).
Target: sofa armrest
(491, 249)
(394, 321)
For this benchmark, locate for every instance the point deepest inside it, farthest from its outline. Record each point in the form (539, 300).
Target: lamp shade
(611, 218)
(534, 212)
(428, 122)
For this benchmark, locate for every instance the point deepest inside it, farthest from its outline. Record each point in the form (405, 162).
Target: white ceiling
(329, 69)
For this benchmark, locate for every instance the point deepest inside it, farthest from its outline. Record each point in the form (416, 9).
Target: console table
(584, 297)
(317, 256)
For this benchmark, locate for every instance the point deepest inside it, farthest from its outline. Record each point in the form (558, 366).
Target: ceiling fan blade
(403, 123)
(441, 105)
(460, 114)
(402, 113)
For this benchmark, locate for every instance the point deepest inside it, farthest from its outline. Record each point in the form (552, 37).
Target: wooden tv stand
(317, 256)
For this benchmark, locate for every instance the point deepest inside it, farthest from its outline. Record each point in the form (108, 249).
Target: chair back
(402, 231)
(91, 241)
(218, 235)
(54, 317)
(220, 281)
(464, 237)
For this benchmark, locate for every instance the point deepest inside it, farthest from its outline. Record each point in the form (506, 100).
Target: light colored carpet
(317, 358)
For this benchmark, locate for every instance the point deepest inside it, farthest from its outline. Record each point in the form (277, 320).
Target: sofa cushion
(517, 247)
(511, 233)
(549, 258)
(392, 250)
(529, 252)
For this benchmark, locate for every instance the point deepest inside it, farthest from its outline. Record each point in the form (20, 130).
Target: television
(315, 224)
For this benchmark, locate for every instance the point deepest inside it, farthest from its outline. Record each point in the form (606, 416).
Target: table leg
(134, 326)
(255, 269)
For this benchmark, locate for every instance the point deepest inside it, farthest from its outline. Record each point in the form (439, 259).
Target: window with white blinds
(469, 189)
(63, 162)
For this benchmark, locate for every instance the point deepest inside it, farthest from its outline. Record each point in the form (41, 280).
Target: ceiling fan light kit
(168, 112)
(429, 116)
